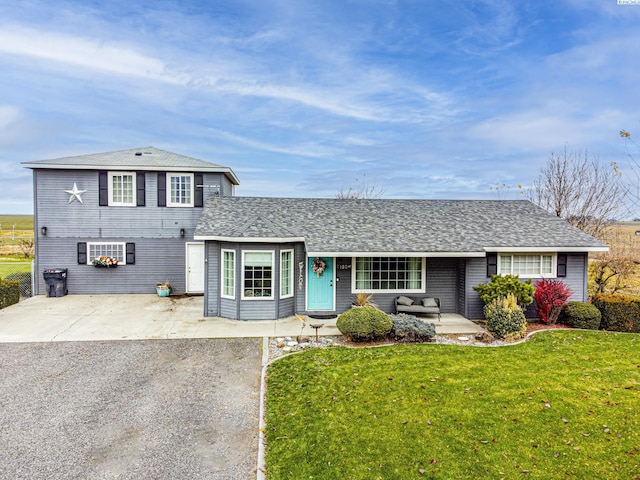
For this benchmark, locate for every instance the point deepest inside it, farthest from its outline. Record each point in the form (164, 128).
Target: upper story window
(389, 274)
(527, 266)
(180, 189)
(122, 189)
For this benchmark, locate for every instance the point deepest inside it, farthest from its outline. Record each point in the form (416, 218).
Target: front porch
(450, 324)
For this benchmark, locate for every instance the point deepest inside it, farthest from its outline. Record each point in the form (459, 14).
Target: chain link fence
(20, 271)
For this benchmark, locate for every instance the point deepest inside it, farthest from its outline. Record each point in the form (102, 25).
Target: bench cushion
(429, 302)
(402, 300)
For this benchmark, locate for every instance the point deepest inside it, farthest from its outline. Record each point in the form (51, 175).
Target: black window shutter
(140, 200)
(492, 264)
(82, 253)
(198, 197)
(103, 188)
(162, 189)
(562, 265)
(131, 254)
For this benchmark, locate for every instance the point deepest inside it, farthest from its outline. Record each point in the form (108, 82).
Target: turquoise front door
(320, 289)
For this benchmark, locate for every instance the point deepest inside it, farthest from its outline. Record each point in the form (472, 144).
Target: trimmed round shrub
(409, 328)
(580, 315)
(505, 319)
(362, 324)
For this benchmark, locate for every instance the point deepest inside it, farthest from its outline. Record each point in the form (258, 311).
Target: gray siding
(442, 282)
(344, 294)
(300, 278)
(576, 279)
(212, 304)
(462, 281)
(156, 260)
(577, 272)
(160, 250)
(476, 273)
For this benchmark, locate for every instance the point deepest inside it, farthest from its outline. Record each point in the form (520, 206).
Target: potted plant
(163, 288)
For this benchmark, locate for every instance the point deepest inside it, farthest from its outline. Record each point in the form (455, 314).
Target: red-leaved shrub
(550, 297)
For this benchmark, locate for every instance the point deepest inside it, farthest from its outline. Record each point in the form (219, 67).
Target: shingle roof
(146, 158)
(385, 226)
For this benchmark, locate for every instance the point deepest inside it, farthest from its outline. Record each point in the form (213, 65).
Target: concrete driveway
(127, 317)
(130, 409)
(130, 317)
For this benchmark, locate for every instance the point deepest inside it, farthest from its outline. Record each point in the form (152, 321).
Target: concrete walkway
(138, 317)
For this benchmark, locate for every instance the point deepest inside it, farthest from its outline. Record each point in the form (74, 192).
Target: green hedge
(620, 313)
(580, 315)
(9, 292)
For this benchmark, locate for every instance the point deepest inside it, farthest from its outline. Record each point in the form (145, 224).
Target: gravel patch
(130, 409)
(282, 346)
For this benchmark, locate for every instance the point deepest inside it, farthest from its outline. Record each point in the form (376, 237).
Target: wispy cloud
(84, 53)
(433, 99)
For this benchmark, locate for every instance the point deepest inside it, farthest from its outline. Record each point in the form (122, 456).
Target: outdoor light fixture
(43, 230)
(182, 232)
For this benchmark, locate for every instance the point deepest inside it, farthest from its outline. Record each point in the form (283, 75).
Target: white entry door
(195, 267)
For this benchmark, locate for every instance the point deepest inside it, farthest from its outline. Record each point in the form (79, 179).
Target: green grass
(565, 404)
(21, 222)
(7, 269)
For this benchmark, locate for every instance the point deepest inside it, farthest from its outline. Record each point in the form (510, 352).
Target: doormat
(322, 317)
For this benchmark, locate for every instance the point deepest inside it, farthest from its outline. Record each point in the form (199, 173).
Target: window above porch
(389, 274)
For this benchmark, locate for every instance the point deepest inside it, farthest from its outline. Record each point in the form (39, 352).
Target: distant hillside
(21, 222)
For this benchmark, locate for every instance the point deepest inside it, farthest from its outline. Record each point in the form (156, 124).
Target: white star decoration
(75, 193)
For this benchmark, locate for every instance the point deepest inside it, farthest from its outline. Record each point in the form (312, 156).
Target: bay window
(286, 273)
(257, 273)
(228, 274)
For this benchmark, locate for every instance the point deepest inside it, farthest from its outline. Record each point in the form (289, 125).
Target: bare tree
(611, 270)
(26, 247)
(633, 177)
(578, 188)
(363, 189)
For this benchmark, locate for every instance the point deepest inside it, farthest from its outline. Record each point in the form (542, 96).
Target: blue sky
(428, 99)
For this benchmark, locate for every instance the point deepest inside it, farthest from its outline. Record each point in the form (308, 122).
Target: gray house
(165, 216)
(140, 206)
(269, 258)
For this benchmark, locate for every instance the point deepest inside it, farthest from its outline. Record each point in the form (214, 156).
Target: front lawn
(565, 404)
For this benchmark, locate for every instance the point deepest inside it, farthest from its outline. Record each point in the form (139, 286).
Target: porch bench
(406, 304)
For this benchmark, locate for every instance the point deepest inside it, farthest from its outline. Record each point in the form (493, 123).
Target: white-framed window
(116, 250)
(286, 273)
(180, 189)
(389, 274)
(122, 189)
(530, 265)
(257, 275)
(228, 274)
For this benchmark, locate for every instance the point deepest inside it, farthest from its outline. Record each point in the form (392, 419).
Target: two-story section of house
(140, 206)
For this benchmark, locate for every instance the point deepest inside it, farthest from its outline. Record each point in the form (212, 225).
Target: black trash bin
(56, 279)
